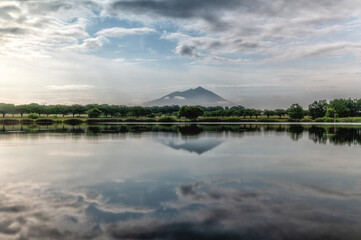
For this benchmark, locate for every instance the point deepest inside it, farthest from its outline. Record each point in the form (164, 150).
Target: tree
(318, 109)
(190, 112)
(257, 112)
(77, 109)
(62, 109)
(21, 109)
(269, 113)
(247, 112)
(344, 107)
(295, 111)
(330, 112)
(6, 108)
(94, 113)
(280, 112)
(36, 108)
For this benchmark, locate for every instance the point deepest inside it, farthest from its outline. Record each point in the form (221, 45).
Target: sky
(256, 53)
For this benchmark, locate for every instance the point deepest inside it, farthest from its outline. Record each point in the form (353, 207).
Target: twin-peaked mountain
(197, 96)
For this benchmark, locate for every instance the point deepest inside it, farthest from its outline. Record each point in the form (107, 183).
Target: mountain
(197, 96)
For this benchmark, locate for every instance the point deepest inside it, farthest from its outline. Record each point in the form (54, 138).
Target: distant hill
(197, 96)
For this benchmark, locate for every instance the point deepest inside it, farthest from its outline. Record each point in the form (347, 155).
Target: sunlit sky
(257, 53)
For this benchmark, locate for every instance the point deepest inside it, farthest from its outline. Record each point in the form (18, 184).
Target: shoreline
(150, 121)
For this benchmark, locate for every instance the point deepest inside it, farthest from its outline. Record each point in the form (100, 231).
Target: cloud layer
(261, 53)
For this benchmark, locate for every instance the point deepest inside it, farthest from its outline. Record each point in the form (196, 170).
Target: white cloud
(69, 87)
(179, 97)
(118, 32)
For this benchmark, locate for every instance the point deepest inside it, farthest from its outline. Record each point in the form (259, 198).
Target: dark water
(180, 182)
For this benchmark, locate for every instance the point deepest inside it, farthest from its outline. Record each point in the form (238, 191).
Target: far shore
(174, 120)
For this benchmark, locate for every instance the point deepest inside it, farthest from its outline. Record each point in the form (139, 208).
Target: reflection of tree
(334, 134)
(93, 130)
(189, 130)
(343, 135)
(296, 132)
(317, 134)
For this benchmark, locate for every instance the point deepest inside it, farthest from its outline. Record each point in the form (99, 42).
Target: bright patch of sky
(257, 53)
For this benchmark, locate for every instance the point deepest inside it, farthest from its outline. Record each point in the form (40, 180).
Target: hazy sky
(257, 53)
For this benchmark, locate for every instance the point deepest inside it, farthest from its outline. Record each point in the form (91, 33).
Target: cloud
(13, 30)
(118, 32)
(70, 87)
(179, 97)
(249, 27)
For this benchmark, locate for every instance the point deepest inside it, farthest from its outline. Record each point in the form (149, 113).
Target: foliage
(190, 112)
(295, 111)
(318, 109)
(6, 108)
(269, 113)
(73, 121)
(94, 113)
(167, 119)
(330, 113)
(324, 119)
(280, 112)
(33, 115)
(345, 107)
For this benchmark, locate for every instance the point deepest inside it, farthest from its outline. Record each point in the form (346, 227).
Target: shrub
(324, 119)
(33, 115)
(167, 119)
(295, 111)
(190, 112)
(330, 113)
(94, 113)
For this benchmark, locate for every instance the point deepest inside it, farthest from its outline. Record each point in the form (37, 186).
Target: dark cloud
(244, 26)
(179, 9)
(13, 209)
(13, 30)
(5, 12)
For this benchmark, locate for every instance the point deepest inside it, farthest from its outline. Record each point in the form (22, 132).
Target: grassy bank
(168, 119)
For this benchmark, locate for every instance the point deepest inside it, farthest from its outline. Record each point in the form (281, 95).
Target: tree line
(318, 109)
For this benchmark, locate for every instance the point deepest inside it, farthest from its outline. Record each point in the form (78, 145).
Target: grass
(167, 119)
(77, 121)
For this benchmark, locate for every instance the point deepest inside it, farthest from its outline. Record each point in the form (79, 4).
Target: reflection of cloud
(236, 213)
(217, 209)
(71, 154)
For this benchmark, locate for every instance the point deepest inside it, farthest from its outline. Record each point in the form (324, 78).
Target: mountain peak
(196, 96)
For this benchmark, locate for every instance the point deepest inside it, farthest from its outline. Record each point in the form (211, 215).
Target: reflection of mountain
(200, 145)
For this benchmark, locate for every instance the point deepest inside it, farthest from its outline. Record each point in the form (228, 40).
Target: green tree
(6, 108)
(318, 109)
(21, 109)
(257, 112)
(269, 113)
(248, 112)
(77, 109)
(94, 113)
(62, 109)
(280, 112)
(36, 108)
(330, 112)
(295, 111)
(190, 112)
(344, 107)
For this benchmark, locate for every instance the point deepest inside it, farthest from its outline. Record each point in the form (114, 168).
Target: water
(180, 182)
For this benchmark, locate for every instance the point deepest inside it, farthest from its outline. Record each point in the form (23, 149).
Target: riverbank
(76, 121)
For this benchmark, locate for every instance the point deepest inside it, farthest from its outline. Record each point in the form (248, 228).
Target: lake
(148, 181)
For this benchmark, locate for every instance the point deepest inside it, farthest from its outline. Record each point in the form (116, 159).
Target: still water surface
(180, 182)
